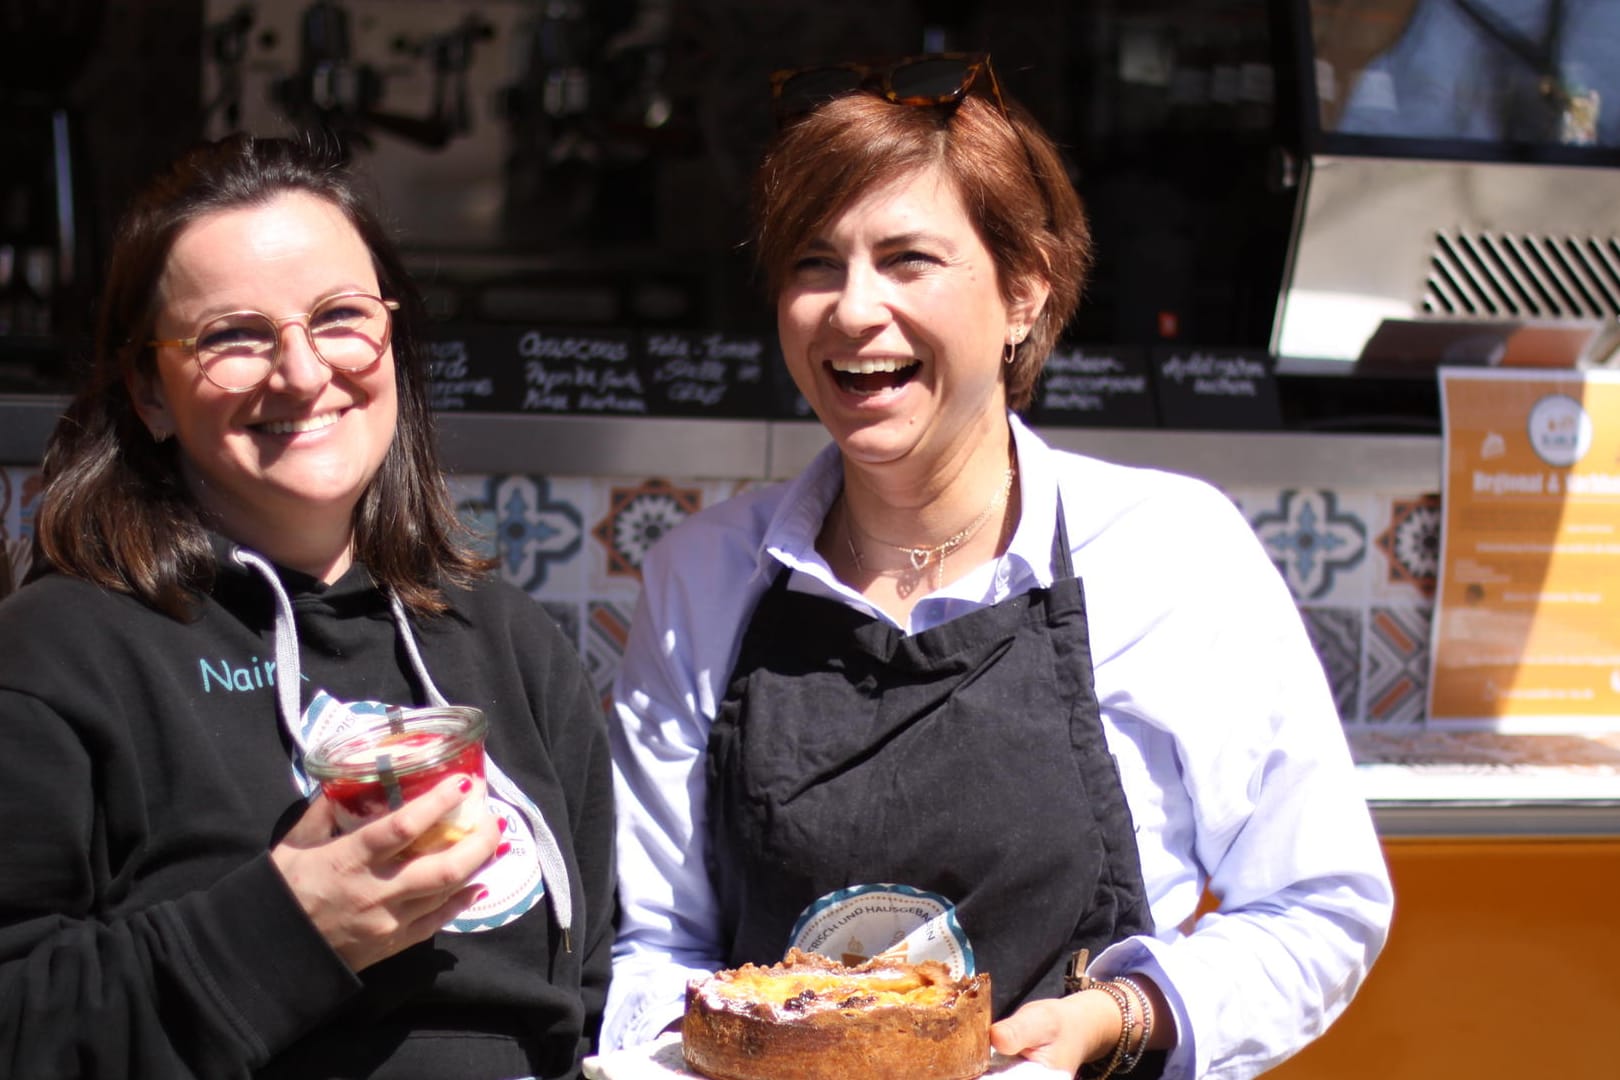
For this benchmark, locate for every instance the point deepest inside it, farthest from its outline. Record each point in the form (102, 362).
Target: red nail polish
(465, 785)
(503, 824)
(483, 894)
(503, 849)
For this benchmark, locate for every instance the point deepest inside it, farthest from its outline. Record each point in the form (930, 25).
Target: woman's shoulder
(56, 602)
(62, 634)
(1106, 490)
(1128, 521)
(747, 511)
(727, 532)
(1111, 486)
(500, 613)
(489, 599)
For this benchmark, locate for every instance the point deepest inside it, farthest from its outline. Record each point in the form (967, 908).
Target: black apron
(967, 760)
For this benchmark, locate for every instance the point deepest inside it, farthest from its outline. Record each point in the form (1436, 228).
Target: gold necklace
(920, 557)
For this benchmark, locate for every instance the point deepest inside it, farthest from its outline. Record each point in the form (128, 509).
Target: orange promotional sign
(1527, 612)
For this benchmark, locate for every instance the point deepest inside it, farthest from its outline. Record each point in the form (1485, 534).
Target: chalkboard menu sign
(705, 374)
(604, 372)
(591, 371)
(1216, 389)
(1095, 386)
(457, 382)
(518, 369)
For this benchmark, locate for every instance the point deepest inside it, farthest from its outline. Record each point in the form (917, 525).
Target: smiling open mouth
(294, 427)
(875, 375)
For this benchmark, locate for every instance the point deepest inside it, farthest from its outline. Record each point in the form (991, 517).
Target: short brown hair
(115, 509)
(1008, 172)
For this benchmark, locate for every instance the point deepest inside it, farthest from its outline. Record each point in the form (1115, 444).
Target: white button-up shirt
(1213, 702)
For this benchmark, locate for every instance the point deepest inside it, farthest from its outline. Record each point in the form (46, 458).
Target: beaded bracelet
(1127, 1023)
(1131, 1060)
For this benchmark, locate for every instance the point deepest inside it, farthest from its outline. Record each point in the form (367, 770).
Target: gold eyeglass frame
(302, 319)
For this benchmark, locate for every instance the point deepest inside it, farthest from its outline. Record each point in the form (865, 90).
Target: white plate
(662, 1059)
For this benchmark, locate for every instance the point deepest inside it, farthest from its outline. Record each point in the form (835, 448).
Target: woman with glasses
(1066, 698)
(247, 546)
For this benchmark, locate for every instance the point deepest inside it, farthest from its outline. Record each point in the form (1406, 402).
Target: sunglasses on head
(936, 79)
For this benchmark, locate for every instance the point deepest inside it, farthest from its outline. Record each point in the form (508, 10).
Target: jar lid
(402, 742)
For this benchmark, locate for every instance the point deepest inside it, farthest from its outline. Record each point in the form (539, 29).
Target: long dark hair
(115, 509)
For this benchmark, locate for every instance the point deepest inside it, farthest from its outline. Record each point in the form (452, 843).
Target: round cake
(811, 1018)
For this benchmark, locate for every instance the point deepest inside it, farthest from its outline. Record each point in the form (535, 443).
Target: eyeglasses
(919, 81)
(237, 352)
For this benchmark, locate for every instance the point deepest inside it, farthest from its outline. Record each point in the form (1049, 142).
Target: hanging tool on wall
(332, 92)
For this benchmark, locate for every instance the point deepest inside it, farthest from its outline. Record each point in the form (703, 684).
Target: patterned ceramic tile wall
(1361, 565)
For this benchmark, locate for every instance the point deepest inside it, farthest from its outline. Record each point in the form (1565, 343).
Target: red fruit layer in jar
(369, 797)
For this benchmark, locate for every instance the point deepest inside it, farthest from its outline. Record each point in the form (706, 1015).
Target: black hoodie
(144, 776)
